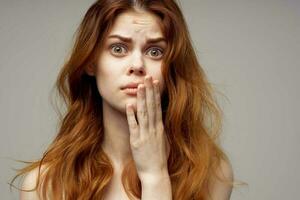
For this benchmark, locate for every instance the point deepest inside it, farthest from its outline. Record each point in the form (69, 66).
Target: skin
(123, 63)
(126, 136)
(141, 138)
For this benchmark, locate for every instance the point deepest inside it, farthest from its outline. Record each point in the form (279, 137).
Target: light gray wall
(249, 49)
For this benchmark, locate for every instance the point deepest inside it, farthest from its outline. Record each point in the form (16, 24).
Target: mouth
(130, 91)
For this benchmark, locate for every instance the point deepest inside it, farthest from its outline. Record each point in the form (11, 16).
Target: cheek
(106, 74)
(109, 67)
(105, 65)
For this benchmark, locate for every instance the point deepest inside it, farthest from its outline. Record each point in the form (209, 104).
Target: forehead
(137, 22)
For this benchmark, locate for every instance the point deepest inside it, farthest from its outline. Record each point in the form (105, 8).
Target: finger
(133, 126)
(150, 100)
(158, 116)
(168, 147)
(142, 110)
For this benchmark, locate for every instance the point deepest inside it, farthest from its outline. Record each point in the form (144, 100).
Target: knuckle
(143, 113)
(158, 103)
(160, 127)
(134, 126)
(144, 139)
(152, 131)
(152, 105)
(135, 144)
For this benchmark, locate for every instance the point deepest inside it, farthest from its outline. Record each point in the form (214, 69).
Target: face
(133, 49)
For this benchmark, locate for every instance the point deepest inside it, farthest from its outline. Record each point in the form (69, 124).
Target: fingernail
(141, 86)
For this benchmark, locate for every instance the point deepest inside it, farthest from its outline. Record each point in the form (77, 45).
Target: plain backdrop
(249, 49)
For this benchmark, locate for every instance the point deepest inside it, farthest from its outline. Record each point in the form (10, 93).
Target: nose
(137, 64)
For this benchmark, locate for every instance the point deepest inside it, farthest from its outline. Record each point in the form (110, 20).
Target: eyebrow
(129, 40)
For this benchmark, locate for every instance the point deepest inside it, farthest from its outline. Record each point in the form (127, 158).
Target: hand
(149, 145)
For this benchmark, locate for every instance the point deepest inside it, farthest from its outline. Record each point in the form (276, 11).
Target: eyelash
(123, 46)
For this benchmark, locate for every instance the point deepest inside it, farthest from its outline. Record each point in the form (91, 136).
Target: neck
(116, 143)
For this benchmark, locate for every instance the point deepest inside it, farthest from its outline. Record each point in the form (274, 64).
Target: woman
(141, 120)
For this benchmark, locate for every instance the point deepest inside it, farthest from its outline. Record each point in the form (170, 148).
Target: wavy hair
(76, 167)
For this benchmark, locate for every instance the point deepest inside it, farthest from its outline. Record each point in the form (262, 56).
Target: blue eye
(155, 52)
(118, 49)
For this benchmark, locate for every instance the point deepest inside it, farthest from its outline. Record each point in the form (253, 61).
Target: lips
(131, 85)
(130, 91)
(131, 88)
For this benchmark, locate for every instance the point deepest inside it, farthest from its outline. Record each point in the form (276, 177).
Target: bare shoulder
(221, 190)
(29, 183)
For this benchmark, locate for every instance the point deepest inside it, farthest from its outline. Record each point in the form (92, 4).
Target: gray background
(249, 49)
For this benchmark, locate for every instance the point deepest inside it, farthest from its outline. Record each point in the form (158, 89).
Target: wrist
(155, 178)
(156, 186)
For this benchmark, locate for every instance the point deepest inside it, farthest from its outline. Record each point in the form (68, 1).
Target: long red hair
(75, 165)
